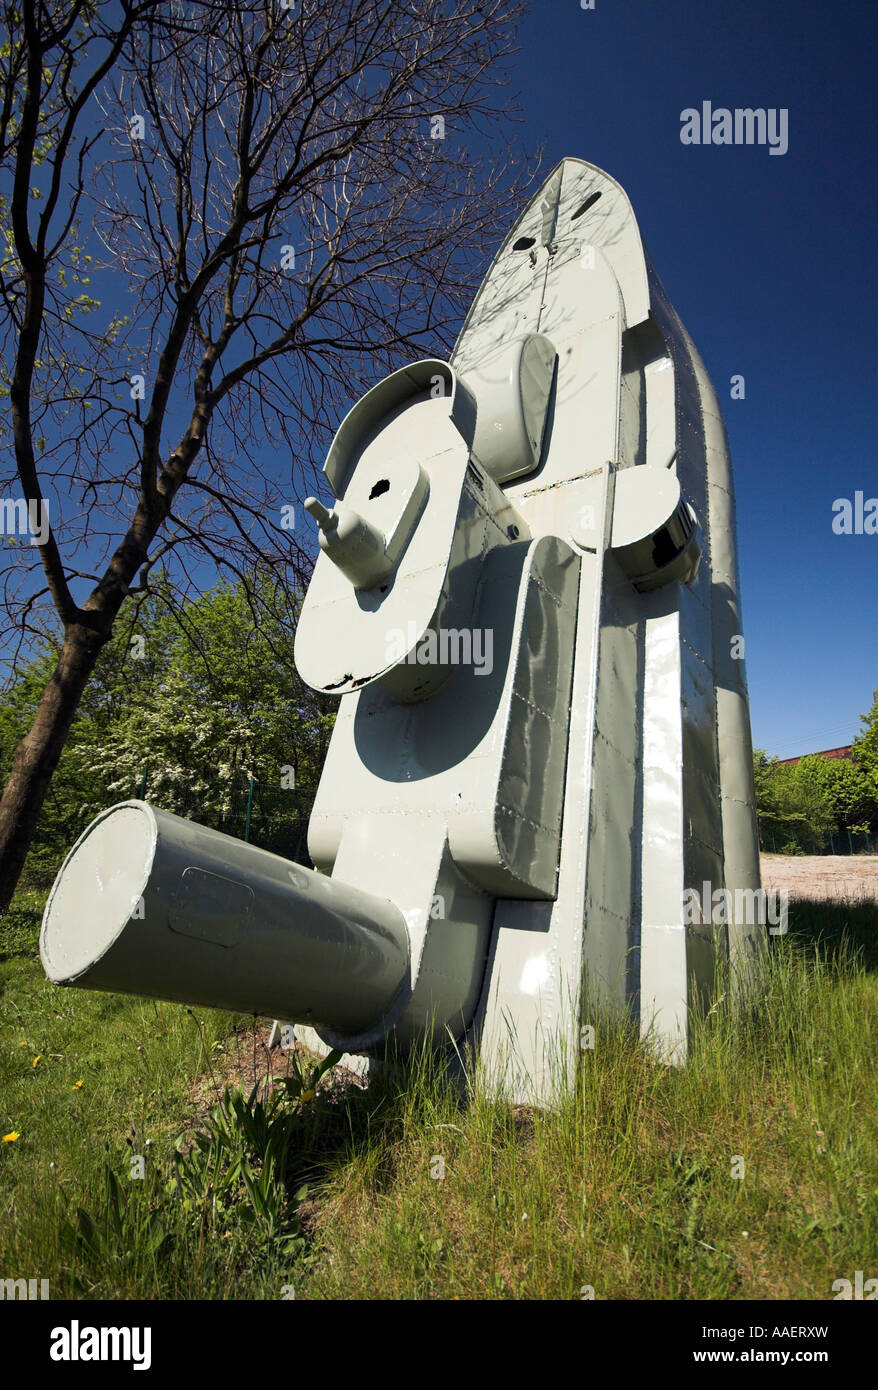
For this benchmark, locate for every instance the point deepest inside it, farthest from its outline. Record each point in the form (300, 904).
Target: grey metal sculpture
(526, 599)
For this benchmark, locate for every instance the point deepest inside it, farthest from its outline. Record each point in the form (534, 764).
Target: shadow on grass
(348, 1119)
(835, 927)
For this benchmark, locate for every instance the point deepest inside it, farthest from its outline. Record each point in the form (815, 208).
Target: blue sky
(770, 261)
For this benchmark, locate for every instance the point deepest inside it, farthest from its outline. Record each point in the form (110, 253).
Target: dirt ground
(821, 876)
(244, 1058)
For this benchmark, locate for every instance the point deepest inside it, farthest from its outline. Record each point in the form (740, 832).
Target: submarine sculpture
(526, 600)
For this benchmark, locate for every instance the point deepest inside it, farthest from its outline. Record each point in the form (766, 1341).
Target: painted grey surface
(659, 791)
(150, 903)
(526, 600)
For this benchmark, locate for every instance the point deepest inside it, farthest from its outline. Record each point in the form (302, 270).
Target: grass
(417, 1189)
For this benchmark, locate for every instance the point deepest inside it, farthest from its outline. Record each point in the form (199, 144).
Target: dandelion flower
(10, 1138)
(76, 1085)
(36, 1059)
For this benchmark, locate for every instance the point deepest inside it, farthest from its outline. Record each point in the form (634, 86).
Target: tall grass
(748, 1173)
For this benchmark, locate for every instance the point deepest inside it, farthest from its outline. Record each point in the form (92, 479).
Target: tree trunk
(37, 756)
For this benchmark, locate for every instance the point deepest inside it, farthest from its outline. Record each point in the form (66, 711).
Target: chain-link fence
(800, 838)
(266, 814)
(276, 818)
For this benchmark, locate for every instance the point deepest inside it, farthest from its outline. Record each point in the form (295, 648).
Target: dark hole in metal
(524, 243)
(584, 207)
(665, 548)
(380, 488)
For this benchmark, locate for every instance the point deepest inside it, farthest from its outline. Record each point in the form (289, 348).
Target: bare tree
(278, 204)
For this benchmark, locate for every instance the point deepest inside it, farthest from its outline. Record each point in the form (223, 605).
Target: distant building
(824, 753)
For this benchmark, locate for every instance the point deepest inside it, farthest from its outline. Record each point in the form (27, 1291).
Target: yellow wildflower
(76, 1085)
(307, 1095)
(10, 1138)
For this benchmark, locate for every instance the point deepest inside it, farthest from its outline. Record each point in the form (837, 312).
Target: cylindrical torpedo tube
(149, 903)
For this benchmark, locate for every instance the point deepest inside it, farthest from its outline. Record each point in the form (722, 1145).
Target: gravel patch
(820, 877)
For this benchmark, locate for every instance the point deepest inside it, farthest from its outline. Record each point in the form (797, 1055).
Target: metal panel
(543, 743)
(140, 884)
